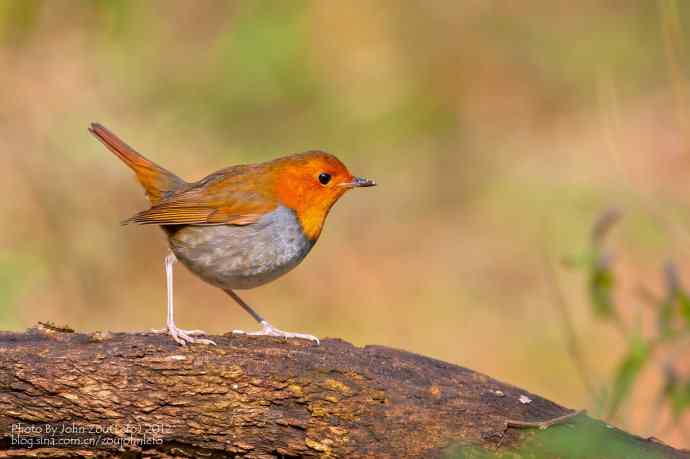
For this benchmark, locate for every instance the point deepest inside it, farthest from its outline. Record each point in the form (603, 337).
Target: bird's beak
(359, 182)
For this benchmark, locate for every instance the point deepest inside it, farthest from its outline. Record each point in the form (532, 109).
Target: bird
(239, 227)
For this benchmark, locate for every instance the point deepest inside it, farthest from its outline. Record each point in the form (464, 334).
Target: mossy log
(65, 394)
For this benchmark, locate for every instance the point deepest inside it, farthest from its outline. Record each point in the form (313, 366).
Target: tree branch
(259, 397)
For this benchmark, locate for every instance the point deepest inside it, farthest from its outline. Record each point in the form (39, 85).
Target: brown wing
(233, 196)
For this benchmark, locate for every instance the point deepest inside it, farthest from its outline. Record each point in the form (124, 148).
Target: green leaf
(580, 438)
(677, 302)
(601, 283)
(629, 369)
(678, 395)
(684, 304)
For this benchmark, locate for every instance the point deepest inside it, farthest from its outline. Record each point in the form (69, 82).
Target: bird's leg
(180, 336)
(266, 328)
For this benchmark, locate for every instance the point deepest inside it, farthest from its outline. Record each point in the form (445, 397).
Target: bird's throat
(308, 202)
(311, 220)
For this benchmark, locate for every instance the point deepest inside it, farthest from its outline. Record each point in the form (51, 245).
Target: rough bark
(260, 397)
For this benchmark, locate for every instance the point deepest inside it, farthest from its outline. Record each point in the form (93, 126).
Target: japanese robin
(239, 227)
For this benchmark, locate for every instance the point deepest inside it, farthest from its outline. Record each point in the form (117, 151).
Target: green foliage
(581, 438)
(677, 392)
(684, 305)
(601, 282)
(675, 305)
(629, 369)
(672, 315)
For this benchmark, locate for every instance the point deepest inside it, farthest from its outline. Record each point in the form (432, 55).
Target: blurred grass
(494, 130)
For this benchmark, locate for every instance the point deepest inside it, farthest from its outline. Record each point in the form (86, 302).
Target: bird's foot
(183, 337)
(268, 330)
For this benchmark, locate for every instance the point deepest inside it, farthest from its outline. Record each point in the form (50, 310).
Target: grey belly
(242, 257)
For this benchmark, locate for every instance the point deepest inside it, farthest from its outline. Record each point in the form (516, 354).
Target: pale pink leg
(182, 337)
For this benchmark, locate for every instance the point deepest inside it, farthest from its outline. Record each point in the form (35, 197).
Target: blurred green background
(498, 132)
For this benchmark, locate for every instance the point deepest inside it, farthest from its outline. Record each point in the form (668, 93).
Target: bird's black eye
(324, 178)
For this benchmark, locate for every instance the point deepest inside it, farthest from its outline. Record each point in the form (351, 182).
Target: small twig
(55, 328)
(573, 344)
(600, 230)
(542, 424)
(672, 281)
(572, 340)
(604, 224)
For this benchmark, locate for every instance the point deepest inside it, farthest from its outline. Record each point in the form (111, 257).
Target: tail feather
(158, 182)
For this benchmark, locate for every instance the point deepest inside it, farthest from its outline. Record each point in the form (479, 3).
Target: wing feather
(228, 197)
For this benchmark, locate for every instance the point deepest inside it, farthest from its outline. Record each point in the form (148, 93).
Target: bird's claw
(269, 330)
(184, 337)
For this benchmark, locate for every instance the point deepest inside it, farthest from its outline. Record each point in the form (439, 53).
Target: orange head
(310, 183)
